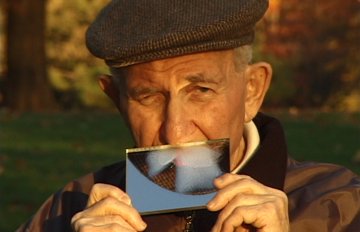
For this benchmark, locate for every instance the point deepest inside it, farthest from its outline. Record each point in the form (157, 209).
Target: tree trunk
(27, 83)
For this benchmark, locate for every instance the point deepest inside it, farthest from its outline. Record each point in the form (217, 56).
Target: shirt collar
(252, 140)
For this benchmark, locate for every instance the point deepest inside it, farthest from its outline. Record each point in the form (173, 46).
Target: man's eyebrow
(200, 78)
(137, 91)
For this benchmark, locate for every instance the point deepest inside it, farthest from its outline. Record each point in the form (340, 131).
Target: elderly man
(182, 72)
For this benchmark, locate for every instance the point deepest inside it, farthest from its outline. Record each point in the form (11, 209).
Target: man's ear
(108, 86)
(258, 78)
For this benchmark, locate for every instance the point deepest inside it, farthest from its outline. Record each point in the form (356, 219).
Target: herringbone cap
(134, 31)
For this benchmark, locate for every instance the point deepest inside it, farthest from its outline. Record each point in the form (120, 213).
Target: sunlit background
(56, 124)
(313, 46)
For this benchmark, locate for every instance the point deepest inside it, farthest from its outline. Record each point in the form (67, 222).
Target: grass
(324, 137)
(39, 153)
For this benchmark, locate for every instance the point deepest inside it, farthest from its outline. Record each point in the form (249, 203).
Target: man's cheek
(217, 121)
(214, 128)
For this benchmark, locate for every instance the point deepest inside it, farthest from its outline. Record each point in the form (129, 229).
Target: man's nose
(177, 125)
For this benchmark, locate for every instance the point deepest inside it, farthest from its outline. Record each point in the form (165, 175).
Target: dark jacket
(322, 197)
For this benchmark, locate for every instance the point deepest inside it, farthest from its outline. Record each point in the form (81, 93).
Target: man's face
(188, 98)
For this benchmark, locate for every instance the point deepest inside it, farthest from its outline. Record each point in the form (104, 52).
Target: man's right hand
(108, 209)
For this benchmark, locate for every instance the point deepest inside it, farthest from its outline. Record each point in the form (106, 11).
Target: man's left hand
(243, 202)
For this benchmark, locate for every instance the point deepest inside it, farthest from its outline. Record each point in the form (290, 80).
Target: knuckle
(76, 217)
(77, 221)
(284, 197)
(281, 198)
(113, 227)
(222, 216)
(270, 208)
(85, 228)
(227, 175)
(96, 187)
(228, 224)
(247, 181)
(240, 198)
(239, 211)
(113, 218)
(244, 177)
(111, 201)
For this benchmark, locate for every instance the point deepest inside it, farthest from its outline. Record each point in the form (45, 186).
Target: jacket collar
(268, 164)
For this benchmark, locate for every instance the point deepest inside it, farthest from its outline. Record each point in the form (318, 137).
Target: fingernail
(218, 181)
(211, 205)
(143, 225)
(126, 199)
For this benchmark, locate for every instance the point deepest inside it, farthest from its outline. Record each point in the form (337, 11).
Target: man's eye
(201, 93)
(150, 99)
(202, 89)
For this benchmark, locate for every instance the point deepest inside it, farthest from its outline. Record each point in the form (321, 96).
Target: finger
(239, 220)
(109, 227)
(240, 216)
(229, 179)
(233, 186)
(257, 210)
(111, 206)
(101, 222)
(254, 215)
(243, 200)
(101, 191)
(238, 202)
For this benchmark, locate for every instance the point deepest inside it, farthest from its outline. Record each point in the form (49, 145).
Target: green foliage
(2, 40)
(313, 47)
(73, 70)
(350, 101)
(282, 89)
(318, 42)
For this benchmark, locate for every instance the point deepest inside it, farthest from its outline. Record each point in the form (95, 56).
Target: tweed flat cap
(134, 31)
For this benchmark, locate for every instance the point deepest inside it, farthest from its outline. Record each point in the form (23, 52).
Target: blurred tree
(2, 52)
(27, 84)
(319, 41)
(313, 46)
(2, 44)
(73, 71)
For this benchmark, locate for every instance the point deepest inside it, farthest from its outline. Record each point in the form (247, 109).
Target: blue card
(172, 178)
